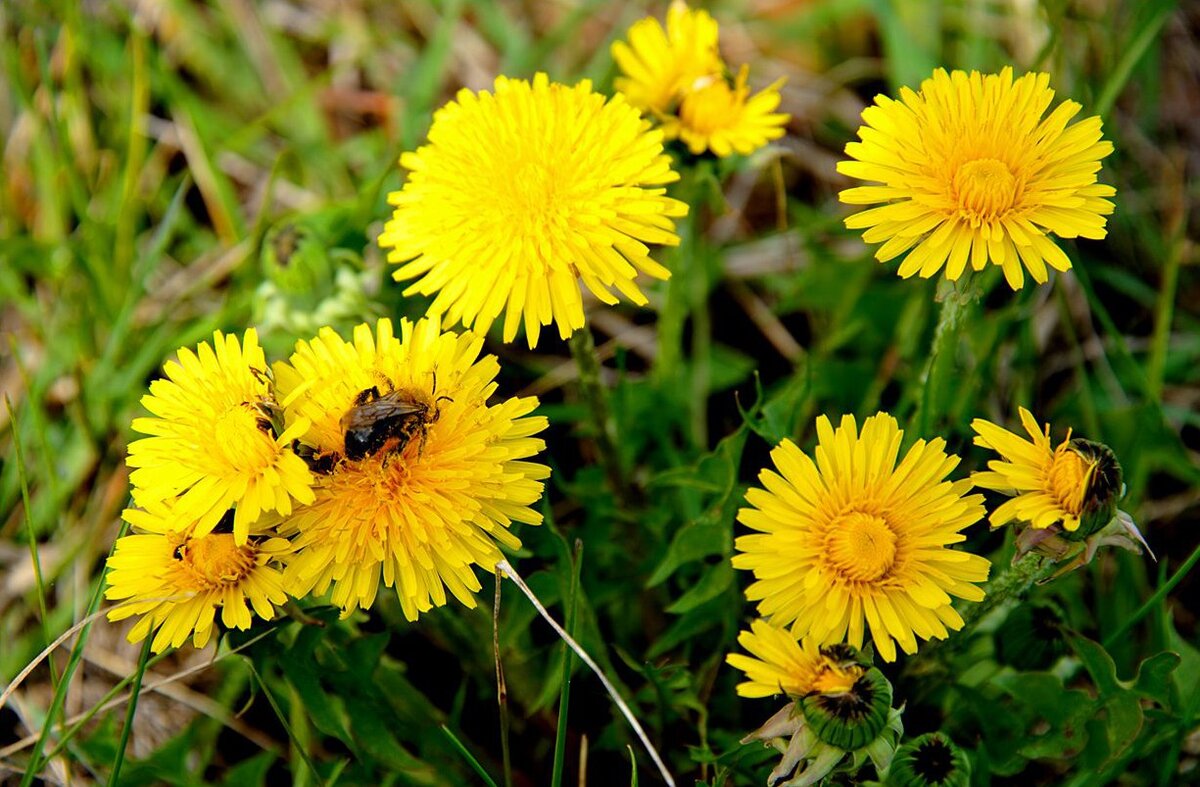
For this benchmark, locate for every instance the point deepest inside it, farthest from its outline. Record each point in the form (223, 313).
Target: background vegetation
(150, 147)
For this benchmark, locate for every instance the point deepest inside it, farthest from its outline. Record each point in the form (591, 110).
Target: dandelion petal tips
(971, 170)
(522, 195)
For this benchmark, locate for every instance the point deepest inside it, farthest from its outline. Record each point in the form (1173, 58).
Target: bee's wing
(391, 408)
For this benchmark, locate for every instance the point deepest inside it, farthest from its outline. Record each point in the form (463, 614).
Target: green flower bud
(852, 719)
(931, 760)
(1103, 486)
(1031, 638)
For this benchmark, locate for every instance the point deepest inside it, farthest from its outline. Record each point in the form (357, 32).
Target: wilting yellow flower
(431, 497)
(213, 443)
(1079, 480)
(522, 194)
(726, 119)
(971, 171)
(780, 664)
(177, 580)
(856, 540)
(660, 66)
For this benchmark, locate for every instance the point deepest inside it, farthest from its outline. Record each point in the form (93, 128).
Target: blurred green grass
(148, 147)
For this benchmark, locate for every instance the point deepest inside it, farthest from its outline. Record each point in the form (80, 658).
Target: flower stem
(936, 379)
(583, 349)
(1011, 585)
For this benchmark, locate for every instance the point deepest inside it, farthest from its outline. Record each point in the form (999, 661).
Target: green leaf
(251, 772)
(693, 542)
(712, 583)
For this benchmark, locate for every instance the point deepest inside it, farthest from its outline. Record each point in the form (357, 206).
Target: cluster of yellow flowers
(380, 457)
(350, 461)
(677, 75)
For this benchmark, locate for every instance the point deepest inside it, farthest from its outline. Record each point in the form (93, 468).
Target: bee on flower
(418, 478)
(214, 442)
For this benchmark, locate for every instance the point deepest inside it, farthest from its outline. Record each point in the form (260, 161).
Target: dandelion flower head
(726, 119)
(177, 580)
(969, 170)
(661, 65)
(420, 514)
(522, 193)
(678, 77)
(212, 441)
(1049, 485)
(778, 664)
(857, 541)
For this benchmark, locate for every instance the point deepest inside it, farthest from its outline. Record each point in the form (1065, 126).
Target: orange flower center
(1069, 476)
(860, 546)
(985, 188)
(215, 560)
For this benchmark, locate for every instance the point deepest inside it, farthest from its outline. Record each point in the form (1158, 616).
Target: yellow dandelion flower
(781, 665)
(661, 65)
(213, 444)
(177, 580)
(856, 540)
(522, 194)
(1077, 481)
(421, 478)
(726, 119)
(971, 171)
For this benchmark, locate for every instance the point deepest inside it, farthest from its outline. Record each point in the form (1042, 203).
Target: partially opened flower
(726, 119)
(1074, 483)
(418, 478)
(855, 541)
(523, 194)
(839, 710)
(661, 65)
(214, 442)
(969, 171)
(177, 580)
(781, 665)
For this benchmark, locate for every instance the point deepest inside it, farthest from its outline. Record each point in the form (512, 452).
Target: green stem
(1011, 585)
(1154, 600)
(936, 379)
(131, 711)
(501, 685)
(583, 349)
(568, 664)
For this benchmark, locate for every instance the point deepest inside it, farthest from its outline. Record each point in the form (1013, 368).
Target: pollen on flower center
(833, 679)
(1068, 477)
(215, 560)
(860, 546)
(985, 188)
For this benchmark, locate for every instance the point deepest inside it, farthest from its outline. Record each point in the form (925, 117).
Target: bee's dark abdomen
(362, 443)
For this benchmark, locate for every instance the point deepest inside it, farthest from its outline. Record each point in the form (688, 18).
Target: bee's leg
(367, 395)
